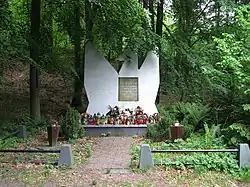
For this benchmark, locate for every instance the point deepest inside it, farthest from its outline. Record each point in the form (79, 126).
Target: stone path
(111, 153)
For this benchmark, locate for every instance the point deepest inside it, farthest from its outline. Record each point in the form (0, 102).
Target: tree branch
(169, 32)
(202, 11)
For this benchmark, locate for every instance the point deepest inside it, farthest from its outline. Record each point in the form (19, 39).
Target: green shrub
(226, 162)
(188, 130)
(244, 175)
(158, 131)
(33, 127)
(7, 127)
(190, 113)
(236, 133)
(71, 126)
(161, 130)
(10, 142)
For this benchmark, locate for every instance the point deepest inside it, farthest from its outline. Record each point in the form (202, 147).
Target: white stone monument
(128, 88)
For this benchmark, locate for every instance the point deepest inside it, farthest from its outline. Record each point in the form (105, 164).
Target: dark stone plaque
(128, 89)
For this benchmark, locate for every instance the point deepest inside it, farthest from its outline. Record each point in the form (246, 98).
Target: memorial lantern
(53, 132)
(176, 130)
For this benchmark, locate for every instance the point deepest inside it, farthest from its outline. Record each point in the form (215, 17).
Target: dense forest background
(203, 46)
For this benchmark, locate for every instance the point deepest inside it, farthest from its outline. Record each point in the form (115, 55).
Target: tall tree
(217, 16)
(4, 28)
(89, 19)
(77, 96)
(46, 30)
(34, 54)
(79, 90)
(152, 16)
(159, 23)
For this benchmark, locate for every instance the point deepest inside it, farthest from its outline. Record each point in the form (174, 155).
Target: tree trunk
(77, 96)
(159, 20)
(145, 3)
(89, 10)
(217, 17)
(46, 33)
(34, 54)
(151, 10)
(89, 19)
(159, 23)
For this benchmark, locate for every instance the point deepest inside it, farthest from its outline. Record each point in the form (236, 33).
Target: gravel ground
(86, 177)
(111, 153)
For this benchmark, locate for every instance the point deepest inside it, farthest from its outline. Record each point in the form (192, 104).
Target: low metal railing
(196, 150)
(146, 158)
(28, 151)
(65, 153)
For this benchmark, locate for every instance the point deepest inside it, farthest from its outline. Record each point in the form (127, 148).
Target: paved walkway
(111, 153)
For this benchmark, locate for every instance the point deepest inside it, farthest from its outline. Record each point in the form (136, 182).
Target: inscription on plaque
(128, 89)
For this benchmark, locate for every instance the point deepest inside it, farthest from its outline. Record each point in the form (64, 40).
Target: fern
(190, 113)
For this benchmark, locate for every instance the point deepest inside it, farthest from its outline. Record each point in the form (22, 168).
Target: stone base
(115, 130)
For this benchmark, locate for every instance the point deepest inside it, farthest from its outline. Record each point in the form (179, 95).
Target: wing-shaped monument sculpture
(101, 81)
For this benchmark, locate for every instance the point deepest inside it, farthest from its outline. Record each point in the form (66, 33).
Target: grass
(27, 168)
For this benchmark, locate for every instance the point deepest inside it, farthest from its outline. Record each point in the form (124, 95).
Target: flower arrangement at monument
(115, 116)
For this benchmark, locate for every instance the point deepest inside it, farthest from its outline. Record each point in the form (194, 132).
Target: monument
(128, 88)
